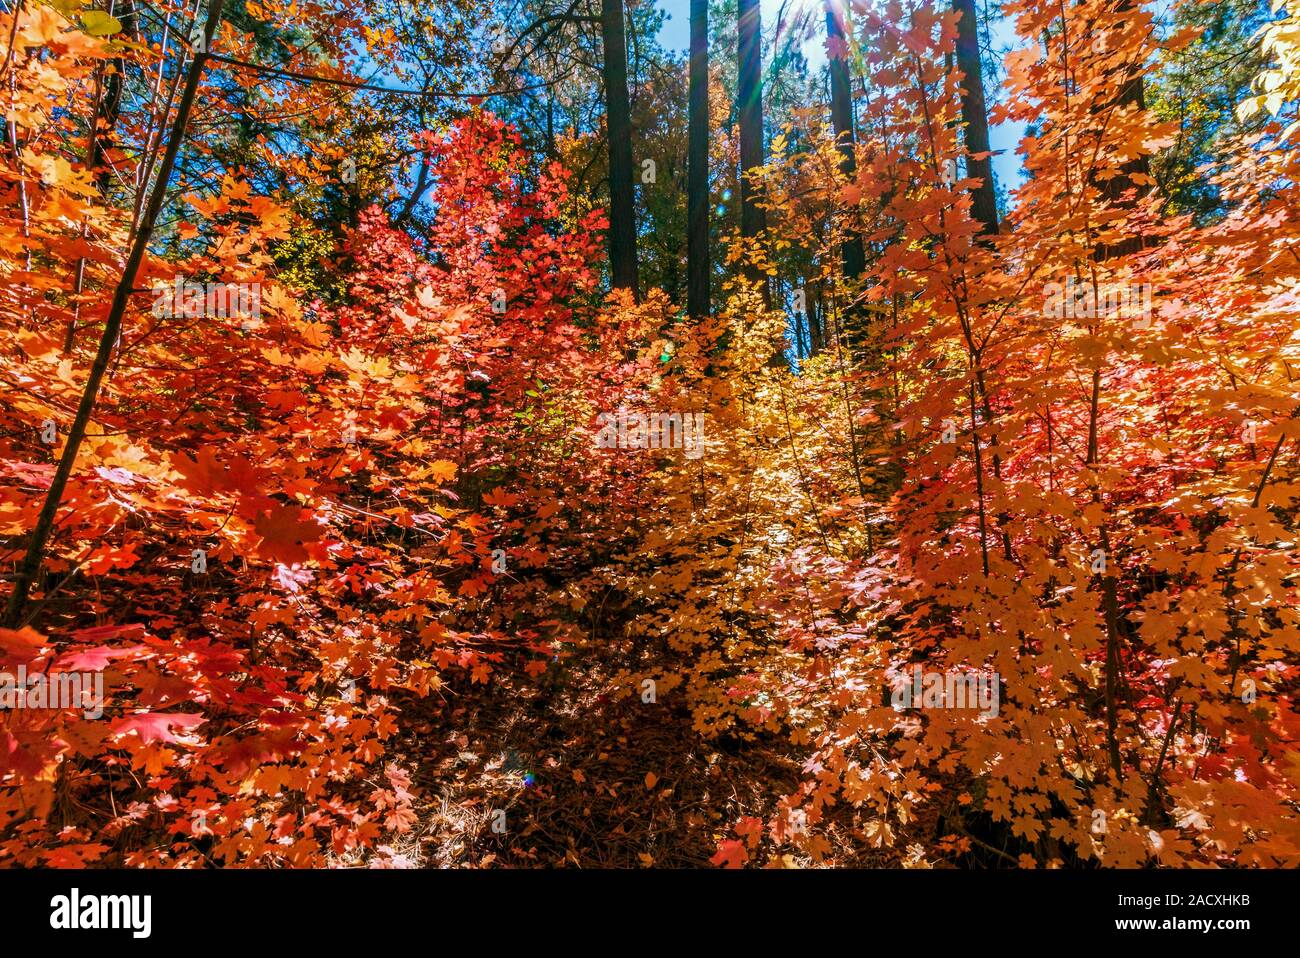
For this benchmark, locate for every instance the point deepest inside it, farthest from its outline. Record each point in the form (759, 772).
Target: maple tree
(1050, 448)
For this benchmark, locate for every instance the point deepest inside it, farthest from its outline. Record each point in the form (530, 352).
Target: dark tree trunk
(697, 166)
(622, 203)
(112, 108)
(1132, 94)
(842, 122)
(550, 125)
(816, 324)
(975, 117)
(749, 91)
(108, 111)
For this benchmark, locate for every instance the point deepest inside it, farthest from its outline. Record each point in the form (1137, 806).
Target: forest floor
(585, 779)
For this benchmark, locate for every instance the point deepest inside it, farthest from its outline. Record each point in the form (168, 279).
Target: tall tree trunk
(618, 113)
(35, 554)
(749, 91)
(550, 125)
(816, 322)
(1132, 94)
(103, 123)
(975, 116)
(112, 106)
(697, 166)
(855, 260)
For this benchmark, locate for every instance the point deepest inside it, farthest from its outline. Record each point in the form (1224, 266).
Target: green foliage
(1199, 88)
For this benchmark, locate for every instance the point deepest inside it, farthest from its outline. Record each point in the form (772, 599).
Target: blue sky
(1004, 138)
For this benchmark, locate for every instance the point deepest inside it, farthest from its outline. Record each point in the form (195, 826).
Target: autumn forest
(699, 434)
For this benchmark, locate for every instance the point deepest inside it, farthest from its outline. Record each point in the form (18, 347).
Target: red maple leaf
(730, 854)
(157, 726)
(94, 659)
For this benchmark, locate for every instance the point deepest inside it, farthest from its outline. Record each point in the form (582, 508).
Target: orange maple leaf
(283, 531)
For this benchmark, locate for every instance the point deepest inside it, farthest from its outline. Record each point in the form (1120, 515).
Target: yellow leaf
(100, 24)
(443, 469)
